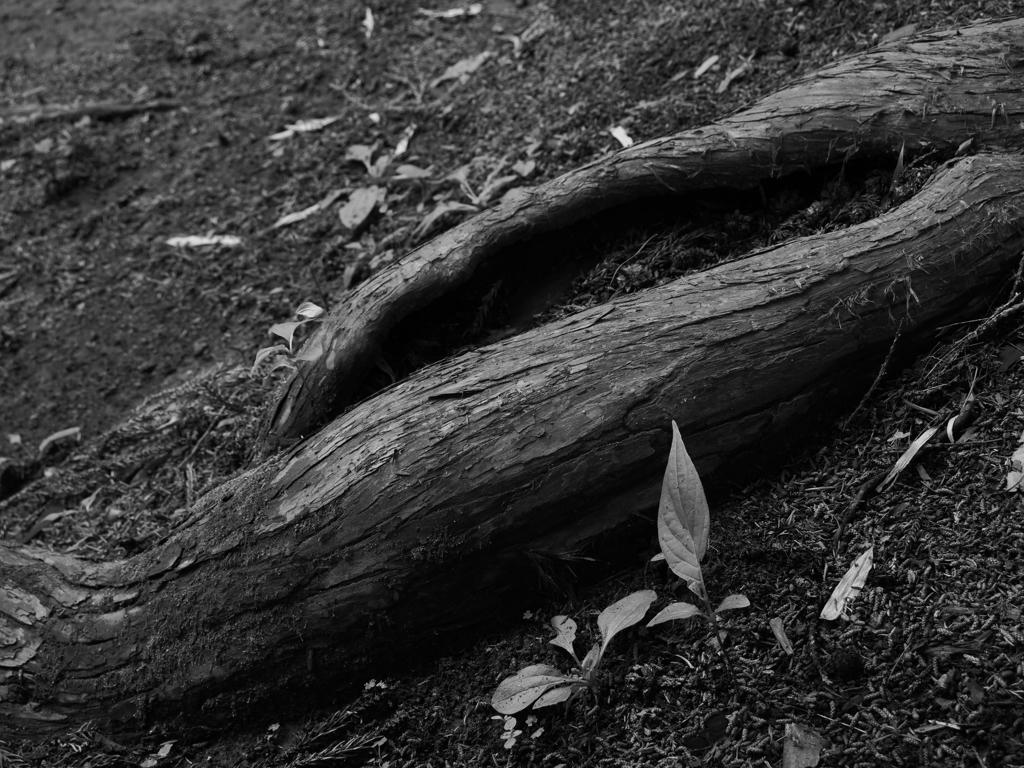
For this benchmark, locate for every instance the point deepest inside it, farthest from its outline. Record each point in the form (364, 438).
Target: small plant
(283, 355)
(683, 523)
(542, 685)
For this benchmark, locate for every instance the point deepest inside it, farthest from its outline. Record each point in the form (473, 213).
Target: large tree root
(416, 516)
(937, 90)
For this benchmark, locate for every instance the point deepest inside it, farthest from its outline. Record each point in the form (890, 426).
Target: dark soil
(97, 311)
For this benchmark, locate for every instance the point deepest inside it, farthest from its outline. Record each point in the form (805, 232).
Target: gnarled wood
(414, 515)
(937, 90)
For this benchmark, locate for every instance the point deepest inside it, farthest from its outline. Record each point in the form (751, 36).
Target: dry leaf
(473, 9)
(732, 75)
(197, 241)
(525, 168)
(709, 62)
(780, 635)
(403, 143)
(368, 23)
(462, 70)
(304, 126)
(849, 586)
(908, 456)
(1016, 473)
(361, 204)
(801, 747)
(620, 135)
(305, 213)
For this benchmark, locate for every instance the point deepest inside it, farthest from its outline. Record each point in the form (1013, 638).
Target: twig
(878, 379)
(1013, 304)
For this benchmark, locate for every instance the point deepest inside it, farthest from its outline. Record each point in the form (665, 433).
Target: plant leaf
(679, 550)
(520, 690)
(849, 586)
(309, 310)
(732, 602)
(590, 661)
(676, 611)
(558, 695)
(566, 629)
(266, 352)
(683, 516)
(623, 614)
(801, 747)
(287, 330)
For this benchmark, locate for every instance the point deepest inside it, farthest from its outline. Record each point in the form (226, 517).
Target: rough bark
(415, 515)
(936, 90)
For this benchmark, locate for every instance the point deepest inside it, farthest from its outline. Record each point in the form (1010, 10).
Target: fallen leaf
(780, 635)
(361, 204)
(908, 456)
(473, 9)
(360, 153)
(198, 241)
(732, 76)
(1016, 473)
(406, 172)
(304, 126)
(305, 213)
(525, 168)
(461, 70)
(620, 135)
(403, 143)
(368, 23)
(849, 586)
(801, 747)
(709, 62)
(6, 165)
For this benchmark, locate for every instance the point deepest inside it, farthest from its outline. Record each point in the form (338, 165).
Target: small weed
(683, 523)
(283, 355)
(542, 685)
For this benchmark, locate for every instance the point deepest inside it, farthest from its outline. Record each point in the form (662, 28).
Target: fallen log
(417, 516)
(937, 90)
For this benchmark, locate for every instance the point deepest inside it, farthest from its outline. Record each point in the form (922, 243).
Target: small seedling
(542, 685)
(283, 355)
(683, 523)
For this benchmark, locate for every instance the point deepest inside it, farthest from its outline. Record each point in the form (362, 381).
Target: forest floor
(124, 124)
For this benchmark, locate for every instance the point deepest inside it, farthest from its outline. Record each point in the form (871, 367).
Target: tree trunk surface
(936, 90)
(415, 517)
